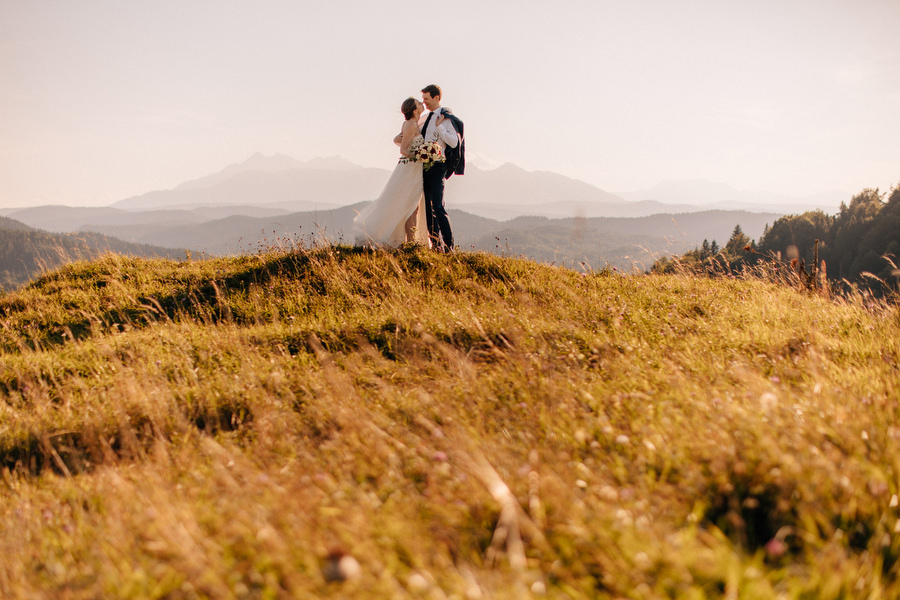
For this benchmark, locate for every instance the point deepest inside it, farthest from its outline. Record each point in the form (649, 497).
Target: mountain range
(710, 194)
(268, 200)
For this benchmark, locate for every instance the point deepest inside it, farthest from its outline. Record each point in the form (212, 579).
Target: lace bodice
(417, 140)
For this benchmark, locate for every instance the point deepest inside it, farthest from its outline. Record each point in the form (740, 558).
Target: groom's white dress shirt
(446, 135)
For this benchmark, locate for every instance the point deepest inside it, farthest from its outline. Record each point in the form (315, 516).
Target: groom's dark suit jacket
(456, 157)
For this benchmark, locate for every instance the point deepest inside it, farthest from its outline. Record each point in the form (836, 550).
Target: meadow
(351, 423)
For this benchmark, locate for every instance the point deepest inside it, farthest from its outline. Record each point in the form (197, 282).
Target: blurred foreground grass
(462, 426)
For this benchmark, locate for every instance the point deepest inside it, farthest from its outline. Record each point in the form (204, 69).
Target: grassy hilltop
(463, 426)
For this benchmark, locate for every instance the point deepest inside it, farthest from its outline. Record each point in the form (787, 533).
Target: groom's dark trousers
(435, 214)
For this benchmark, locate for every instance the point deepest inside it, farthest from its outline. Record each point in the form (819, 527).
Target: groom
(437, 127)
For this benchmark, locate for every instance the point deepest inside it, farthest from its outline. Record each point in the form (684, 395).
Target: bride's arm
(409, 131)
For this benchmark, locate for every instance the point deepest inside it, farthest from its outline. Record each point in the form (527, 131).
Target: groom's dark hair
(432, 90)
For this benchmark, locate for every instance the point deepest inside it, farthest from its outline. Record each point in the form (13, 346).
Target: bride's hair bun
(408, 108)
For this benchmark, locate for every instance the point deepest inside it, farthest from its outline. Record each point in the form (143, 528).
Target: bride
(398, 214)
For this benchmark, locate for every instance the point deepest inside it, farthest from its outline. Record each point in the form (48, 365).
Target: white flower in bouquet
(414, 147)
(413, 152)
(428, 153)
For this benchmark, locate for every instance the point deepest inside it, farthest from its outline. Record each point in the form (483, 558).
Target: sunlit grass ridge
(460, 424)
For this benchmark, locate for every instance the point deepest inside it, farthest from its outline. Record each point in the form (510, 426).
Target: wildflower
(768, 401)
(776, 548)
(642, 561)
(417, 583)
(340, 566)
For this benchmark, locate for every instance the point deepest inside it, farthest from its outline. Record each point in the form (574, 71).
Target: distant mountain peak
(330, 163)
(275, 163)
(282, 162)
(260, 162)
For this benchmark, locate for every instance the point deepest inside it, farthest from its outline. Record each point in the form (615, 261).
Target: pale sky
(101, 100)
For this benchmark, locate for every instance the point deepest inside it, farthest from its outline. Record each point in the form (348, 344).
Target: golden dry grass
(463, 426)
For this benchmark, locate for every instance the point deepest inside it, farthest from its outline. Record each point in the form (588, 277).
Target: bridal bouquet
(427, 153)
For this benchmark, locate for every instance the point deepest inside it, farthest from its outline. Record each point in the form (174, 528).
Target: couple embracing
(411, 209)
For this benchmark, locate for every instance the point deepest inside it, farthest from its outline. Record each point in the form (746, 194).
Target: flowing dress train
(383, 223)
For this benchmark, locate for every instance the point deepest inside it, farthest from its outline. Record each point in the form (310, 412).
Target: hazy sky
(104, 99)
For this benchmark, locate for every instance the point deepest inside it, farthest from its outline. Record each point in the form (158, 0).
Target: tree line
(858, 246)
(26, 253)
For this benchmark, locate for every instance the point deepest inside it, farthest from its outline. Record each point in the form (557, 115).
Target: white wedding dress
(383, 223)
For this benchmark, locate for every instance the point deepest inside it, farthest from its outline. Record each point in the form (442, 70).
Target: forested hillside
(858, 246)
(853, 242)
(26, 252)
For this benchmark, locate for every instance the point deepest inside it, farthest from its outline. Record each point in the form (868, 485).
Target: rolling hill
(348, 423)
(625, 243)
(276, 200)
(26, 252)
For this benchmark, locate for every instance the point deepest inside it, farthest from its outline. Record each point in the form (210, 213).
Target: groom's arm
(446, 132)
